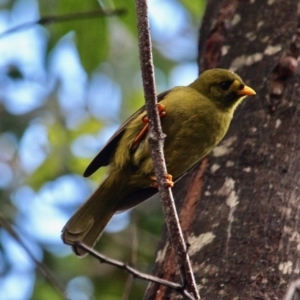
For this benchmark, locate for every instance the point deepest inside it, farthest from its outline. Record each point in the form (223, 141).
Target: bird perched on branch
(194, 118)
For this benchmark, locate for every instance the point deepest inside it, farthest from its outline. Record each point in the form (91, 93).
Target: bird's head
(223, 87)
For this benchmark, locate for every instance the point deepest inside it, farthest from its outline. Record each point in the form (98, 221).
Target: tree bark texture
(239, 208)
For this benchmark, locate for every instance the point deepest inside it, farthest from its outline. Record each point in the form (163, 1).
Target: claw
(160, 108)
(145, 120)
(169, 181)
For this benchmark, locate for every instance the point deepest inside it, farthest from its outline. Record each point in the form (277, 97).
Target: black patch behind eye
(225, 85)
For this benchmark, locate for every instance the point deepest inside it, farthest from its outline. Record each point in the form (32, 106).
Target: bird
(194, 118)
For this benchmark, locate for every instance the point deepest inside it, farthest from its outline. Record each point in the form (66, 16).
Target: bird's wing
(104, 156)
(139, 196)
(142, 194)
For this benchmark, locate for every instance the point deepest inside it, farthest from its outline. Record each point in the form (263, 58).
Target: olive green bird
(194, 118)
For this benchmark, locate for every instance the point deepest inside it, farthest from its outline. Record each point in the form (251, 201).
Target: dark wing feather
(104, 156)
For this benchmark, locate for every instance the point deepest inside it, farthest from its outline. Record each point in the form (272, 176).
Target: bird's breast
(191, 135)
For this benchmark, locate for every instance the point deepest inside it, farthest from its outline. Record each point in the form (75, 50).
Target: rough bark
(239, 208)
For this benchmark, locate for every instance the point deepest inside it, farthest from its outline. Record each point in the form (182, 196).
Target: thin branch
(65, 18)
(294, 286)
(156, 140)
(137, 274)
(41, 267)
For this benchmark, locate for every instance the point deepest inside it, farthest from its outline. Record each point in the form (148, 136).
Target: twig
(294, 286)
(65, 18)
(137, 274)
(41, 267)
(156, 141)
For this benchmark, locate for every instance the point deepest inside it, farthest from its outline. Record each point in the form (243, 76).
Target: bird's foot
(161, 110)
(145, 120)
(169, 181)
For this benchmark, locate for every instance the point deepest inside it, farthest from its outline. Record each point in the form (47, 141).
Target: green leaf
(129, 18)
(196, 8)
(90, 34)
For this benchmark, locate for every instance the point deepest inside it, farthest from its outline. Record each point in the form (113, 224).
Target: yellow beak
(246, 91)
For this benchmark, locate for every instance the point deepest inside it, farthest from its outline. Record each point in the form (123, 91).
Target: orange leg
(145, 120)
(169, 181)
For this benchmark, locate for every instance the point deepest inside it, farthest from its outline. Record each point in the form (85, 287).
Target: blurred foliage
(57, 109)
(91, 37)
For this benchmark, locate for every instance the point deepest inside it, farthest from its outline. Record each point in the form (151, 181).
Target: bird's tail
(89, 221)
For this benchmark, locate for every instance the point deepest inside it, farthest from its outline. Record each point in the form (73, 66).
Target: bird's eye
(225, 85)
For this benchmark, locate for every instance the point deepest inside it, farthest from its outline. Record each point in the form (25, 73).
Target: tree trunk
(239, 208)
